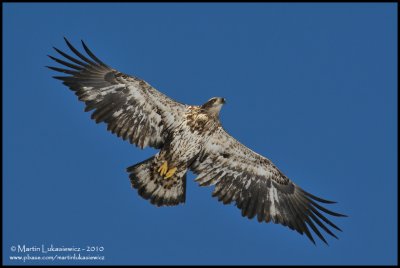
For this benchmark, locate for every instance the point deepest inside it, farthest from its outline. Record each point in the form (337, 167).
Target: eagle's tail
(145, 176)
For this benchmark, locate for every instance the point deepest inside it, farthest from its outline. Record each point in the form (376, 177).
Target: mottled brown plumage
(189, 138)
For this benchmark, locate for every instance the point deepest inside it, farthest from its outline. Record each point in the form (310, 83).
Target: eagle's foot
(170, 173)
(165, 172)
(163, 168)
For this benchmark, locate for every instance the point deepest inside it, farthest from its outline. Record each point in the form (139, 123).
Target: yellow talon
(170, 173)
(163, 168)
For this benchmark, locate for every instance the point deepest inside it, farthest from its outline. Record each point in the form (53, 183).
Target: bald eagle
(189, 137)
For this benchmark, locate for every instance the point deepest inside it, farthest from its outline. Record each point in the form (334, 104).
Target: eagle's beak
(223, 100)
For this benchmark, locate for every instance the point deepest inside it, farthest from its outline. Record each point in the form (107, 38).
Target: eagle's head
(214, 105)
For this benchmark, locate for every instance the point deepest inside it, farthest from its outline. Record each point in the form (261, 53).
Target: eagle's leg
(170, 173)
(165, 172)
(163, 168)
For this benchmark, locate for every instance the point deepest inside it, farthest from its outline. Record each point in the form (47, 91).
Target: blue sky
(313, 87)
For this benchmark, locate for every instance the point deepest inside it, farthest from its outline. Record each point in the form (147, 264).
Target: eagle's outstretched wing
(130, 107)
(257, 186)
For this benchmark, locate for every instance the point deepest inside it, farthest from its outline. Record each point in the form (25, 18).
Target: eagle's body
(182, 147)
(189, 138)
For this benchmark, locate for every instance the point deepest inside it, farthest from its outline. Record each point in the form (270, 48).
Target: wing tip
(50, 67)
(65, 39)
(319, 199)
(92, 56)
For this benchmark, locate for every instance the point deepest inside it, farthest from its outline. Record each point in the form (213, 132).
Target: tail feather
(150, 185)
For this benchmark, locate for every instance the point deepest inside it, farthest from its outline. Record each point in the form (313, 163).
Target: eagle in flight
(189, 137)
